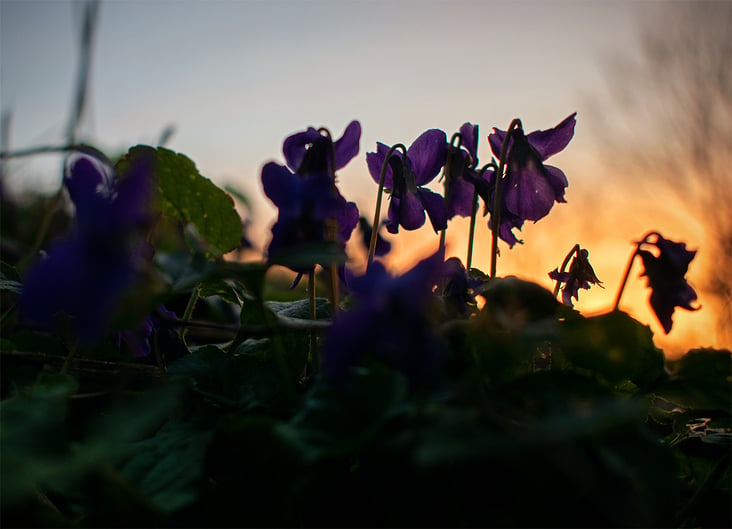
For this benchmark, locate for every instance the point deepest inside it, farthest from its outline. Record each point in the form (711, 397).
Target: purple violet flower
(580, 275)
(456, 289)
(85, 274)
(665, 274)
(406, 180)
(465, 177)
(388, 322)
(383, 246)
(310, 151)
(311, 210)
(530, 188)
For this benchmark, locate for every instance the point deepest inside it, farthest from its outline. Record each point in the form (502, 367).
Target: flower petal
(558, 181)
(375, 160)
(434, 204)
(459, 197)
(427, 155)
(551, 141)
(282, 187)
(295, 146)
(469, 133)
(347, 145)
(411, 211)
(527, 192)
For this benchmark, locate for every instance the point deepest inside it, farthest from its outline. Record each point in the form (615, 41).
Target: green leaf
(167, 468)
(701, 379)
(612, 346)
(9, 278)
(184, 194)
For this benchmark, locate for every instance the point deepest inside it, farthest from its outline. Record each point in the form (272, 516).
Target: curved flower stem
(377, 209)
(57, 149)
(497, 198)
(574, 251)
(474, 214)
(630, 265)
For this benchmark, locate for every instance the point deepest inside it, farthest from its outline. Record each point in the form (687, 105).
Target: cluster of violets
(85, 274)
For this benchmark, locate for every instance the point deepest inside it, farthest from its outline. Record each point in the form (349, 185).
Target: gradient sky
(236, 77)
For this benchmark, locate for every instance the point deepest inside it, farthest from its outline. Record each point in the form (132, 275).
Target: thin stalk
(189, 309)
(630, 265)
(497, 198)
(474, 214)
(471, 233)
(314, 360)
(377, 209)
(574, 251)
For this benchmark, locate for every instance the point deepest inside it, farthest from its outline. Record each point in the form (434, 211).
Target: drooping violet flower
(530, 187)
(311, 211)
(388, 322)
(464, 175)
(665, 273)
(455, 287)
(580, 275)
(311, 151)
(383, 246)
(406, 180)
(84, 275)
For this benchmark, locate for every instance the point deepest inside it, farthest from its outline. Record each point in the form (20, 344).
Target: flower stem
(574, 251)
(189, 308)
(325, 132)
(471, 234)
(630, 265)
(497, 198)
(314, 360)
(474, 214)
(377, 209)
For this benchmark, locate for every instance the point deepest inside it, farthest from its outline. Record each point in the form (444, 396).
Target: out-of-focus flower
(137, 339)
(580, 275)
(85, 274)
(406, 179)
(388, 322)
(665, 273)
(530, 187)
(311, 210)
(311, 151)
(456, 289)
(383, 246)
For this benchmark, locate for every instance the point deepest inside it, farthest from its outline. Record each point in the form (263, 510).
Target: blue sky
(236, 77)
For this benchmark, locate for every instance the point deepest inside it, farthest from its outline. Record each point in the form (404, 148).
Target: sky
(235, 77)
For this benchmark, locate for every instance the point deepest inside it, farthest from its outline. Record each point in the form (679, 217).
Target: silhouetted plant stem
(189, 308)
(497, 198)
(574, 251)
(314, 360)
(630, 265)
(377, 209)
(474, 214)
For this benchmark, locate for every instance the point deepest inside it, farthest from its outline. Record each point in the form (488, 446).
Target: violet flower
(530, 187)
(84, 275)
(665, 274)
(310, 151)
(580, 275)
(388, 322)
(406, 179)
(383, 246)
(311, 211)
(465, 177)
(456, 287)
